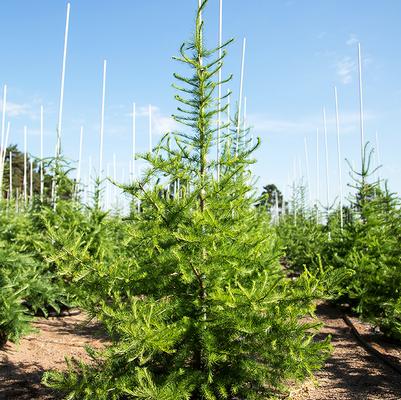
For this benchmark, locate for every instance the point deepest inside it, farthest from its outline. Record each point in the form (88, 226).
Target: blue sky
(297, 51)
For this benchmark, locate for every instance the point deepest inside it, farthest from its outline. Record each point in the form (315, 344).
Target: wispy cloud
(289, 3)
(161, 123)
(14, 110)
(264, 124)
(352, 39)
(345, 68)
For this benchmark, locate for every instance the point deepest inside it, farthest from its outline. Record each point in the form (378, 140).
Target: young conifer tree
(369, 246)
(198, 305)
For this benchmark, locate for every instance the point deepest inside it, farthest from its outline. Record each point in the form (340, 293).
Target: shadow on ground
(18, 384)
(351, 373)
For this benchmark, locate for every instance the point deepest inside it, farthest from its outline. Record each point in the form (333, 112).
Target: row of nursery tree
(194, 288)
(363, 237)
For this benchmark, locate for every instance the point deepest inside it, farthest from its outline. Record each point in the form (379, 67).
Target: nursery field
(350, 373)
(187, 281)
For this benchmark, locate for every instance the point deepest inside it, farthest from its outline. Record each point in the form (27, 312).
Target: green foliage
(18, 275)
(13, 320)
(271, 197)
(23, 234)
(301, 235)
(193, 296)
(367, 245)
(17, 161)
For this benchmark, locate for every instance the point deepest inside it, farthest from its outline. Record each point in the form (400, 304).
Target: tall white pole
(11, 175)
(245, 119)
(378, 156)
(219, 89)
(108, 195)
(241, 88)
(3, 118)
(340, 180)
(79, 170)
(327, 159)
(102, 120)
(317, 166)
(42, 180)
(115, 179)
(361, 117)
(133, 140)
(31, 180)
(60, 112)
(2, 161)
(307, 169)
(25, 165)
(150, 128)
(81, 141)
(88, 189)
(200, 17)
(228, 112)
(2, 147)
(3, 158)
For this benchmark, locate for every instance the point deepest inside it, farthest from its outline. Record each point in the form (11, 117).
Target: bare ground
(351, 373)
(22, 366)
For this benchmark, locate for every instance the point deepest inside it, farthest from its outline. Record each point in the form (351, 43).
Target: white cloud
(14, 110)
(352, 40)
(345, 68)
(349, 122)
(161, 123)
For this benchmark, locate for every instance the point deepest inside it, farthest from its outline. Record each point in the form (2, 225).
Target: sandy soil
(22, 366)
(350, 374)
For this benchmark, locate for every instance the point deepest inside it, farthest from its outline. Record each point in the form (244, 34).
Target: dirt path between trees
(22, 366)
(351, 373)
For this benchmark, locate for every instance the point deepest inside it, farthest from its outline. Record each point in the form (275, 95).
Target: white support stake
(11, 175)
(60, 112)
(115, 179)
(81, 140)
(307, 168)
(2, 147)
(317, 175)
(245, 120)
(219, 90)
(133, 140)
(241, 88)
(150, 129)
(378, 156)
(31, 180)
(228, 112)
(42, 176)
(3, 119)
(5, 148)
(102, 120)
(25, 166)
(340, 181)
(327, 160)
(79, 170)
(361, 116)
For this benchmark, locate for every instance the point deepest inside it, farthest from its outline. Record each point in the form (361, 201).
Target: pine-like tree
(197, 304)
(368, 245)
